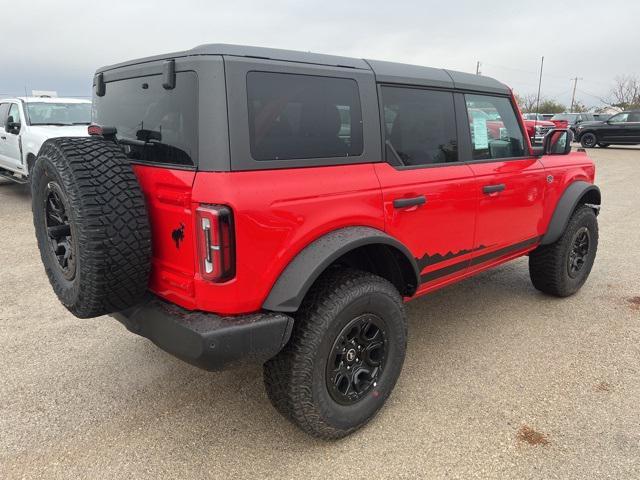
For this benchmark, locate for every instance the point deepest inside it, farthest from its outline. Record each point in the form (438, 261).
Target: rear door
(428, 193)
(510, 182)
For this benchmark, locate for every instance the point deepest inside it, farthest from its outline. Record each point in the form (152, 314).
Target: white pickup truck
(26, 122)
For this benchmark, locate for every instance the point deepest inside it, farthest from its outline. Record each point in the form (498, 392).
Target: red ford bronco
(239, 203)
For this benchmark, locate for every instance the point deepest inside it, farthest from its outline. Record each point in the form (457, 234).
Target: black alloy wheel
(579, 252)
(358, 359)
(588, 140)
(61, 239)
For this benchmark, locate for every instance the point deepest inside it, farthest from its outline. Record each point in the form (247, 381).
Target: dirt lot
(499, 382)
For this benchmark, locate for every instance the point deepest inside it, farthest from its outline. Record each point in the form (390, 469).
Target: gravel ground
(500, 381)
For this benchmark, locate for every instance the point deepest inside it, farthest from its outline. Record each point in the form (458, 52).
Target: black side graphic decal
(428, 260)
(456, 267)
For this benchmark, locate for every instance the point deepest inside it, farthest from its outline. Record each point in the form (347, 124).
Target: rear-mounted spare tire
(91, 224)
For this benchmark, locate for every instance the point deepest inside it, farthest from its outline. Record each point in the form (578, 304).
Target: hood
(50, 131)
(542, 123)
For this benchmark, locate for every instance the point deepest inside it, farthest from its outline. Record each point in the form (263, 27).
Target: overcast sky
(57, 45)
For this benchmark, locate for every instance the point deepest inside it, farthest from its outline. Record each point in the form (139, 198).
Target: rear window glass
(303, 116)
(153, 124)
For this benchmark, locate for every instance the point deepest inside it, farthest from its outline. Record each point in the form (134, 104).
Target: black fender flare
(568, 202)
(296, 279)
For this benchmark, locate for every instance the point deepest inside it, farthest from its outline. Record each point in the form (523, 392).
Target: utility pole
(478, 72)
(573, 97)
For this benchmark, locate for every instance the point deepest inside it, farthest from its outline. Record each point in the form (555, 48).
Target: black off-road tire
(549, 265)
(296, 379)
(588, 140)
(107, 255)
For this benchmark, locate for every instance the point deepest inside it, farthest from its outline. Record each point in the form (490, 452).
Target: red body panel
(440, 232)
(276, 213)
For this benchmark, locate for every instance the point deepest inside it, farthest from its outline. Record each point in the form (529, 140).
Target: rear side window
(154, 124)
(303, 116)
(495, 131)
(420, 126)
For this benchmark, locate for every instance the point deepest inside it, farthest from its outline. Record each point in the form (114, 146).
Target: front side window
(14, 113)
(303, 116)
(620, 118)
(153, 124)
(495, 131)
(420, 126)
(47, 113)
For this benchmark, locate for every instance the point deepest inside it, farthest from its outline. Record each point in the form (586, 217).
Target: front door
(510, 183)
(11, 139)
(428, 194)
(622, 128)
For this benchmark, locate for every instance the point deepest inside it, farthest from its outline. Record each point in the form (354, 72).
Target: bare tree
(625, 93)
(527, 102)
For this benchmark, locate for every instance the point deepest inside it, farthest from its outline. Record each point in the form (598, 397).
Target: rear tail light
(216, 243)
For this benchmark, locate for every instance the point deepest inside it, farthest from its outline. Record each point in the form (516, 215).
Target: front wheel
(344, 357)
(562, 267)
(588, 140)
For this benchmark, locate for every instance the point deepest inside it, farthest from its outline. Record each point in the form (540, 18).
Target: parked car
(26, 122)
(537, 129)
(621, 129)
(293, 202)
(570, 120)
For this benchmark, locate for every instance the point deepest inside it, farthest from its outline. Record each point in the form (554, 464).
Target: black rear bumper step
(207, 340)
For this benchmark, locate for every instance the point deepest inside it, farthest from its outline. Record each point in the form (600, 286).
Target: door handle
(3, 137)
(409, 202)
(489, 189)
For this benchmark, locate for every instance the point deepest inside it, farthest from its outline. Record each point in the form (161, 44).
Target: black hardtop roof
(386, 72)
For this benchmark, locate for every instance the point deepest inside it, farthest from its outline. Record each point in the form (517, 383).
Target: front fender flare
(295, 281)
(565, 207)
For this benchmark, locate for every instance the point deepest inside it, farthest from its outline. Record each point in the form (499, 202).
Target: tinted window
(45, 113)
(420, 126)
(154, 124)
(495, 131)
(633, 117)
(4, 108)
(303, 116)
(620, 118)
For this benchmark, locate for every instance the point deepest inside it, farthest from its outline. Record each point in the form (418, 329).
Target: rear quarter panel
(276, 214)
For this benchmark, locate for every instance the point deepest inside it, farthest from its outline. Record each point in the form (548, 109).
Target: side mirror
(557, 142)
(11, 126)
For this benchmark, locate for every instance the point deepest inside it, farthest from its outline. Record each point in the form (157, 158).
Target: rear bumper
(207, 340)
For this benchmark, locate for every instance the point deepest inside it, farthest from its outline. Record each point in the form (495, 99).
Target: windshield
(44, 113)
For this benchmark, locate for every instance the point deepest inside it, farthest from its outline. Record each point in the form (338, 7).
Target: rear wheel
(344, 357)
(588, 140)
(562, 267)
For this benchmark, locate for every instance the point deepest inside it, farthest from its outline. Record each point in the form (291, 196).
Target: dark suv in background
(570, 120)
(621, 129)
